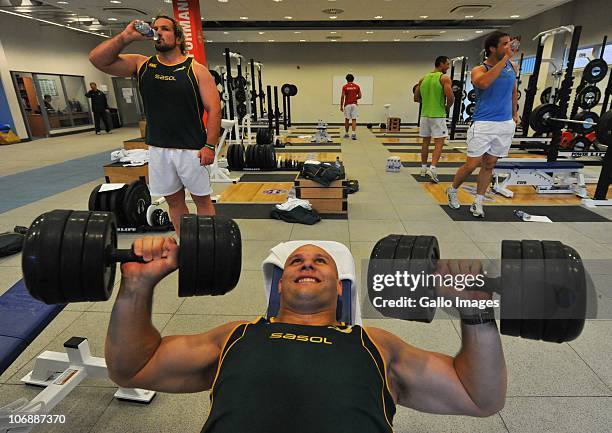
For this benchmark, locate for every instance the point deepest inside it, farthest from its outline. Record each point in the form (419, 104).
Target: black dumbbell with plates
(71, 256)
(129, 203)
(545, 118)
(543, 285)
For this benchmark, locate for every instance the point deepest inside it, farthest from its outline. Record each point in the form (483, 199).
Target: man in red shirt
(351, 93)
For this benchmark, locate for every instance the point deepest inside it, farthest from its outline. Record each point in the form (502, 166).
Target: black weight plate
(30, 260)
(272, 157)
(260, 161)
(240, 81)
(457, 87)
(248, 160)
(137, 200)
(115, 203)
(533, 288)
(286, 89)
(588, 97)
(41, 257)
(540, 118)
(545, 95)
(519, 95)
(216, 76)
(511, 281)
(586, 116)
(241, 110)
(471, 96)
(264, 136)
(294, 90)
(102, 201)
(381, 263)
(575, 324)
(580, 144)
(188, 256)
(595, 71)
(206, 257)
(470, 109)
(239, 157)
(604, 129)
(230, 156)
(425, 254)
(401, 262)
(556, 274)
(71, 256)
(98, 275)
(93, 199)
(228, 255)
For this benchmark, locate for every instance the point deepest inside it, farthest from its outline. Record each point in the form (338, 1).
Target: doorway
(128, 100)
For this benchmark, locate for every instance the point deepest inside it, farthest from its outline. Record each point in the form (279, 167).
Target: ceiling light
(167, 1)
(333, 17)
(226, 33)
(270, 40)
(424, 16)
(239, 40)
(396, 40)
(222, 1)
(62, 3)
(208, 40)
(364, 40)
(479, 31)
(244, 18)
(370, 32)
(378, 17)
(117, 2)
(333, 40)
(469, 16)
(333, 33)
(278, 1)
(442, 31)
(406, 31)
(302, 40)
(296, 33)
(515, 16)
(461, 39)
(112, 19)
(261, 33)
(288, 17)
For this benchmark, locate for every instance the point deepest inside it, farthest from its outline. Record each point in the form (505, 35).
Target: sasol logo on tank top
(165, 77)
(302, 338)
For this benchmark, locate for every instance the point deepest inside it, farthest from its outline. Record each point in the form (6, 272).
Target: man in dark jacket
(99, 107)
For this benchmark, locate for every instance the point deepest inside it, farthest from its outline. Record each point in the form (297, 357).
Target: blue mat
(22, 318)
(26, 187)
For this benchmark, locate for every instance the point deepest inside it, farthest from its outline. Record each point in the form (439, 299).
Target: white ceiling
(94, 15)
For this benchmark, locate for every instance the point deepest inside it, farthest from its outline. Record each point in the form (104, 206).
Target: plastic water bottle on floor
(522, 215)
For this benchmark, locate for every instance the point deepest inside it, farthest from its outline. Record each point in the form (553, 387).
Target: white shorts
(434, 127)
(494, 138)
(351, 111)
(171, 170)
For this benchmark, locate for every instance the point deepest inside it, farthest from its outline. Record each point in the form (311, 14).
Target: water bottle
(522, 215)
(338, 163)
(146, 30)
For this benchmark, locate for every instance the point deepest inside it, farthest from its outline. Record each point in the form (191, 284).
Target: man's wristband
(210, 146)
(479, 318)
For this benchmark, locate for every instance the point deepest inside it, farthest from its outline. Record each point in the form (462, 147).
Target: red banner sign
(187, 13)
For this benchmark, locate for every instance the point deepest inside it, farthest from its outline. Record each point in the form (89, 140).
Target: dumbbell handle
(123, 256)
(582, 122)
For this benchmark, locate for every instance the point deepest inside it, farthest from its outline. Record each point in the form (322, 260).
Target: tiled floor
(566, 387)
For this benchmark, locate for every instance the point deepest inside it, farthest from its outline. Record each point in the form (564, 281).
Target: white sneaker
(433, 175)
(354, 136)
(346, 135)
(423, 171)
(477, 210)
(453, 202)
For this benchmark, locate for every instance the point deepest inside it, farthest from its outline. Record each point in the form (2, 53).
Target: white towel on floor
(292, 203)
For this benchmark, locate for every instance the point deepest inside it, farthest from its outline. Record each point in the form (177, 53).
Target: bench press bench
(559, 177)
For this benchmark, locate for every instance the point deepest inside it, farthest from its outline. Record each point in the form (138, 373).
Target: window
(586, 54)
(528, 65)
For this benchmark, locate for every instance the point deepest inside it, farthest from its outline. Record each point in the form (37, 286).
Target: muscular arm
(515, 97)
(472, 383)
(107, 58)
(482, 79)
(137, 355)
(212, 103)
(447, 85)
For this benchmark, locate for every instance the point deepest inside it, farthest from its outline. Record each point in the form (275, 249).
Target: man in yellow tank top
(435, 94)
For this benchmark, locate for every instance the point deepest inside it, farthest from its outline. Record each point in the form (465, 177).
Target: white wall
(396, 67)
(31, 46)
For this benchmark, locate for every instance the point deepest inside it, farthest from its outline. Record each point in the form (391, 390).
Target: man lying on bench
(302, 370)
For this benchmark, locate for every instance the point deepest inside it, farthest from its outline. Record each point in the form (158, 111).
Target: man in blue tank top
(302, 370)
(494, 121)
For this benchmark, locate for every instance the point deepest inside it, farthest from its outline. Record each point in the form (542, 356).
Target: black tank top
(278, 377)
(172, 103)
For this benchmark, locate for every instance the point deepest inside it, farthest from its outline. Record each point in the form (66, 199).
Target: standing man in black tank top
(302, 371)
(176, 90)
